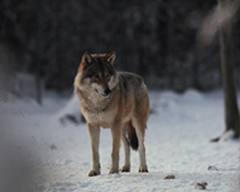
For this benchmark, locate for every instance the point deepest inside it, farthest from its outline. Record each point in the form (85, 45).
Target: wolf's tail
(132, 137)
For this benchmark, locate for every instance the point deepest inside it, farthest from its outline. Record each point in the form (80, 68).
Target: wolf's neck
(94, 103)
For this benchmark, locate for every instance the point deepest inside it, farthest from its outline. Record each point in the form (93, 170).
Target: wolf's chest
(101, 119)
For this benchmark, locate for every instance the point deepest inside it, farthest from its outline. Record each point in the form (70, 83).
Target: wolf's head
(97, 73)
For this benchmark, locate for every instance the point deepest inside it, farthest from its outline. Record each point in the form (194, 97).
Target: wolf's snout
(107, 91)
(96, 90)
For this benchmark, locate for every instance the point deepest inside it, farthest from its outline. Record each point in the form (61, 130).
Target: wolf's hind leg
(140, 130)
(94, 134)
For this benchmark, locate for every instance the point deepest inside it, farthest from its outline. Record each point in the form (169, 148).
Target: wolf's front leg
(94, 134)
(126, 166)
(116, 139)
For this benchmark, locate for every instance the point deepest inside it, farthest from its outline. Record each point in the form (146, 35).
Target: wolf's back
(131, 83)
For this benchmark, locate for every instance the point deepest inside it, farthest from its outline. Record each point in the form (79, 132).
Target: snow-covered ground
(177, 142)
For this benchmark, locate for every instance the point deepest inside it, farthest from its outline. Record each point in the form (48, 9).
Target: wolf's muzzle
(107, 92)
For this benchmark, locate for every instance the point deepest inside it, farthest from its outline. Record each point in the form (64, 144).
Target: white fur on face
(87, 81)
(98, 88)
(84, 84)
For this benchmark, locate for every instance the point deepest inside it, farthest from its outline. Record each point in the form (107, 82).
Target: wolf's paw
(113, 171)
(125, 168)
(143, 169)
(93, 173)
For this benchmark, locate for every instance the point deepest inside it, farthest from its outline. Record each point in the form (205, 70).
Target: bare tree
(232, 119)
(220, 20)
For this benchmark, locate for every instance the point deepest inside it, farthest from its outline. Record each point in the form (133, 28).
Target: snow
(177, 143)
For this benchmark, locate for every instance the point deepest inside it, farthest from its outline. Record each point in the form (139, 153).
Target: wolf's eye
(94, 79)
(107, 77)
(88, 75)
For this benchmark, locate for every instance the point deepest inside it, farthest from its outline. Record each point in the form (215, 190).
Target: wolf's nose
(107, 91)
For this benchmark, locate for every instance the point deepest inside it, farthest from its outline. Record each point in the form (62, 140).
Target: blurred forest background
(156, 39)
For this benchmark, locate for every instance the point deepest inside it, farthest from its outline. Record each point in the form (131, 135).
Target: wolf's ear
(111, 57)
(86, 59)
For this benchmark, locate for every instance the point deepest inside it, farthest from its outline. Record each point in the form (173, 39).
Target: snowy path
(177, 143)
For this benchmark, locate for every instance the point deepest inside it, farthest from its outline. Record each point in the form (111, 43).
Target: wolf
(115, 100)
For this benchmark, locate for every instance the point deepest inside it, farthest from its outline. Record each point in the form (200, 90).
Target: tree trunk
(38, 84)
(232, 120)
(38, 59)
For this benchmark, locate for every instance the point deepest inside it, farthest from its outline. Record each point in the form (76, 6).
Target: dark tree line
(156, 39)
